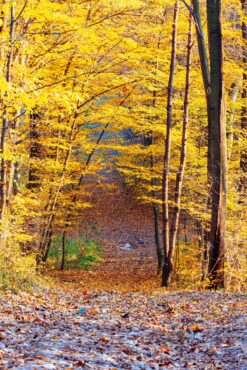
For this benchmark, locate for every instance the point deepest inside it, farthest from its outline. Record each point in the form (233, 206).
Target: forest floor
(113, 330)
(115, 315)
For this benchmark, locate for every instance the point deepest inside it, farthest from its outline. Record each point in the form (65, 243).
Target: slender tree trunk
(243, 159)
(205, 69)
(48, 247)
(206, 77)
(165, 181)
(177, 259)
(218, 135)
(180, 173)
(45, 239)
(63, 250)
(14, 176)
(52, 204)
(14, 180)
(185, 229)
(4, 164)
(34, 180)
(230, 132)
(159, 251)
(203, 248)
(160, 256)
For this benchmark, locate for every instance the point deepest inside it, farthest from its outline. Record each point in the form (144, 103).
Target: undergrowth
(79, 252)
(18, 271)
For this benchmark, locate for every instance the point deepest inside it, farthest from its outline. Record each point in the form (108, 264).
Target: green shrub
(79, 252)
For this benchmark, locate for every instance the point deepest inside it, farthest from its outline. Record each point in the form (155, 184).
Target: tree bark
(165, 180)
(4, 164)
(180, 173)
(230, 132)
(214, 88)
(63, 250)
(218, 146)
(243, 159)
(34, 180)
(159, 251)
(205, 76)
(160, 256)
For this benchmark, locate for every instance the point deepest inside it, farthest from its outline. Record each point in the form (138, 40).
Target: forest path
(108, 318)
(68, 329)
(124, 228)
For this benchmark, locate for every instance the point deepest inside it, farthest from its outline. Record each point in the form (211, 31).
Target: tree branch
(22, 10)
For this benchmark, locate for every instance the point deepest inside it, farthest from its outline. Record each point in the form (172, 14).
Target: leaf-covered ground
(113, 330)
(116, 316)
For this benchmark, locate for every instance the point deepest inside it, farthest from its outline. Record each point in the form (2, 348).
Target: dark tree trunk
(48, 247)
(157, 239)
(218, 146)
(167, 267)
(34, 180)
(185, 230)
(203, 243)
(63, 250)
(206, 77)
(214, 89)
(183, 153)
(160, 256)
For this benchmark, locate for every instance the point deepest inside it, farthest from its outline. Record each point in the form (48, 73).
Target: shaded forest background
(92, 88)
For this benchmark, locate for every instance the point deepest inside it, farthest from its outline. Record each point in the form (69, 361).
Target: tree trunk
(180, 173)
(230, 130)
(243, 160)
(218, 146)
(206, 77)
(160, 256)
(53, 202)
(34, 180)
(14, 174)
(159, 251)
(48, 246)
(165, 216)
(4, 164)
(63, 250)
(203, 248)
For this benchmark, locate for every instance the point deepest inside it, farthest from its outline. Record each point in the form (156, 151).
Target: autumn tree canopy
(134, 86)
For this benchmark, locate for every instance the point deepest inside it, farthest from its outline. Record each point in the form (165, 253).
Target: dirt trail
(91, 320)
(116, 219)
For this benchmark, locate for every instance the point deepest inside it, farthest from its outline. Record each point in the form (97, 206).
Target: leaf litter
(116, 316)
(115, 330)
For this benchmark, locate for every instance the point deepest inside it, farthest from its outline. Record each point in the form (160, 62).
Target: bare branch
(22, 10)
(104, 92)
(19, 115)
